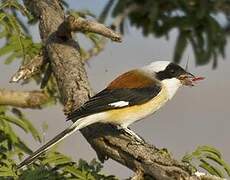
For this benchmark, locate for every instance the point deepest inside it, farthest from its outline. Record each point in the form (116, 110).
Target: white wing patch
(119, 104)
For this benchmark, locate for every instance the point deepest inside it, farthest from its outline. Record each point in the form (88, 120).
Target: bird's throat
(171, 85)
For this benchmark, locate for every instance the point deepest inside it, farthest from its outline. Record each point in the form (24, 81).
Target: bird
(132, 96)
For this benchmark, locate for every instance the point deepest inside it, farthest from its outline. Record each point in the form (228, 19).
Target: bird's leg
(133, 134)
(130, 132)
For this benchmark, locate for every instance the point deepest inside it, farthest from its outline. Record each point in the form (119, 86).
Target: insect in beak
(188, 79)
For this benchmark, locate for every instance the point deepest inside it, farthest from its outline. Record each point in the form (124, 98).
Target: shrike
(130, 97)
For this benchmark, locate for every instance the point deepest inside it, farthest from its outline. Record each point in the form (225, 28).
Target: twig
(72, 24)
(28, 70)
(23, 99)
(47, 75)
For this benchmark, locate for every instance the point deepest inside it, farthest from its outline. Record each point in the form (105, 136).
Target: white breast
(171, 85)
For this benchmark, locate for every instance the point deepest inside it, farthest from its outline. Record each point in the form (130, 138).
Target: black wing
(102, 101)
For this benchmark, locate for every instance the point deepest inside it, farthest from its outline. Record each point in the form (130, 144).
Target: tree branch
(139, 175)
(23, 99)
(74, 88)
(28, 70)
(72, 24)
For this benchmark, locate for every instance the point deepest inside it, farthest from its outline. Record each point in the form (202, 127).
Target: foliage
(11, 145)
(58, 166)
(209, 159)
(18, 42)
(196, 22)
(53, 165)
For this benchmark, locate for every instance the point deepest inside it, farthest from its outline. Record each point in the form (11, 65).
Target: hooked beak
(187, 79)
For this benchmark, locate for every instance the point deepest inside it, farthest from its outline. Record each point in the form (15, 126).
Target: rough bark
(74, 88)
(79, 24)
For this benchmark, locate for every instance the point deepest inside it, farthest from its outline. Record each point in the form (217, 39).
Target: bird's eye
(172, 71)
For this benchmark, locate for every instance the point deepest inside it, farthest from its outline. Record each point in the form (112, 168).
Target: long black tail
(79, 124)
(47, 146)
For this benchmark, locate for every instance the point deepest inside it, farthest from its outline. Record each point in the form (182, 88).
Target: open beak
(187, 79)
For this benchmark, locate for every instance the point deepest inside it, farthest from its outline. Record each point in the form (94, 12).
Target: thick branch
(80, 24)
(24, 99)
(74, 88)
(29, 69)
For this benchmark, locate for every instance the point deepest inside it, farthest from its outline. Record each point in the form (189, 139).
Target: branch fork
(79, 24)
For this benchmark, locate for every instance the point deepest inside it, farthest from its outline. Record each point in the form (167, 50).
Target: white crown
(157, 66)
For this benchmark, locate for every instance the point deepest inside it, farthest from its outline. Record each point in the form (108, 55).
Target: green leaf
(6, 172)
(3, 109)
(202, 10)
(209, 149)
(5, 4)
(219, 161)
(15, 121)
(76, 172)
(208, 158)
(17, 29)
(211, 169)
(21, 8)
(56, 159)
(41, 173)
(7, 49)
(2, 16)
(22, 146)
(7, 168)
(33, 130)
(11, 136)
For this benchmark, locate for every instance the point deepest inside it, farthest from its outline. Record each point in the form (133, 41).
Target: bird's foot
(134, 135)
(125, 130)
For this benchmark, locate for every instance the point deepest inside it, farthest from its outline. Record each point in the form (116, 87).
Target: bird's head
(171, 75)
(166, 70)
